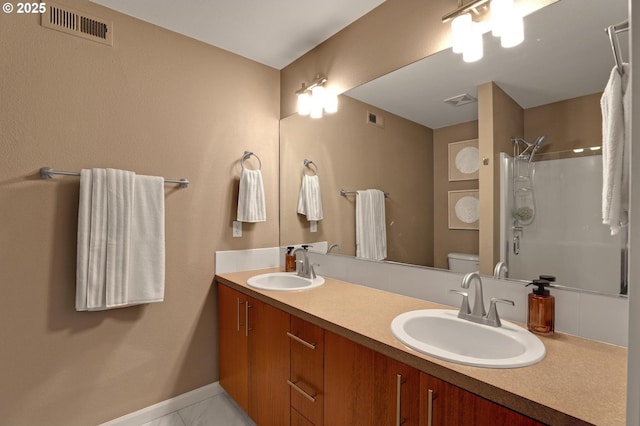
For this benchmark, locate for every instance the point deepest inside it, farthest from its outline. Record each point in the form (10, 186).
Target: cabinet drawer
(298, 419)
(306, 344)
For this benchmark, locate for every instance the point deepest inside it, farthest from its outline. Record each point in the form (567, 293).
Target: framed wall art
(464, 209)
(464, 160)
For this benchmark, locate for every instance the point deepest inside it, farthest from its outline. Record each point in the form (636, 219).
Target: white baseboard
(163, 408)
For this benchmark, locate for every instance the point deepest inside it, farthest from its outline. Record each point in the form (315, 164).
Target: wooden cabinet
(254, 356)
(443, 404)
(307, 372)
(233, 345)
(363, 387)
(284, 371)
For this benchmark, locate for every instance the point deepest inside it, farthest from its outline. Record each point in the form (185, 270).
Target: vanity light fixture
(315, 99)
(466, 34)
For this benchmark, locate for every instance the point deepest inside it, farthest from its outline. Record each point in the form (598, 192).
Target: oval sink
(283, 281)
(441, 334)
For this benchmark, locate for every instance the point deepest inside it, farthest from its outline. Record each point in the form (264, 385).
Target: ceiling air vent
(80, 24)
(460, 100)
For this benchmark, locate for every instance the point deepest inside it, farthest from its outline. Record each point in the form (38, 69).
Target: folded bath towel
(371, 231)
(310, 199)
(251, 204)
(120, 259)
(615, 105)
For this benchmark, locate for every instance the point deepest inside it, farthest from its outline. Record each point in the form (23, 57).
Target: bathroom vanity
(327, 356)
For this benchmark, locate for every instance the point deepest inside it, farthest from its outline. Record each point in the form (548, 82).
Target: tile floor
(218, 410)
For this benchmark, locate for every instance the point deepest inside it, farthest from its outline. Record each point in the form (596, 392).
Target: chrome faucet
(478, 313)
(497, 271)
(333, 246)
(306, 268)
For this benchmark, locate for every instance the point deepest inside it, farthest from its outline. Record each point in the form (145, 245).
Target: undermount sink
(441, 334)
(284, 281)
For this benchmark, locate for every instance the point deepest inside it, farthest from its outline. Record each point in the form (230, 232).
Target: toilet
(463, 262)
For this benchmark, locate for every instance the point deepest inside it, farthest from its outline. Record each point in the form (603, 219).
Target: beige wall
(447, 240)
(353, 154)
(569, 124)
(500, 118)
(155, 103)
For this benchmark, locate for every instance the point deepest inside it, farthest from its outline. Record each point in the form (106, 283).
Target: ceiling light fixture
(466, 34)
(314, 99)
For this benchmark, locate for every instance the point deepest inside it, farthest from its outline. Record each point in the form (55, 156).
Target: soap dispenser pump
(541, 313)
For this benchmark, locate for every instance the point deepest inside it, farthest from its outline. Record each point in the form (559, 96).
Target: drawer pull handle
(299, 340)
(430, 397)
(300, 390)
(399, 381)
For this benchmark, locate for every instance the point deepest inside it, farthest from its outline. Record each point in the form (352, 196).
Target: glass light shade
(501, 12)
(330, 101)
(304, 104)
(512, 33)
(460, 32)
(473, 51)
(317, 102)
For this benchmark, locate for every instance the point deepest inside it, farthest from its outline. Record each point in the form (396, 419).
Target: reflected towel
(251, 205)
(120, 258)
(615, 105)
(310, 199)
(371, 231)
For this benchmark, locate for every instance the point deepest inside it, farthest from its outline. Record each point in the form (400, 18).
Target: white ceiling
(566, 54)
(272, 32)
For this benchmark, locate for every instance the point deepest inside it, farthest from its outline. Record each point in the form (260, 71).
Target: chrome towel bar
(48, 172)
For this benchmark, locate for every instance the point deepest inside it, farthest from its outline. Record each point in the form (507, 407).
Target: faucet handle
(464, 307)
(492, 317)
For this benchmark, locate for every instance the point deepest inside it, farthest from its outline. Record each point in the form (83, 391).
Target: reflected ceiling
(572, 29)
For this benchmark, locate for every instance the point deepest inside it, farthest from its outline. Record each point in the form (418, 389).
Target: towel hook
(307, 164)
(248, 154)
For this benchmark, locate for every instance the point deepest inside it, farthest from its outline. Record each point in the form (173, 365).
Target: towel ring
(248, 154)
(307, 165)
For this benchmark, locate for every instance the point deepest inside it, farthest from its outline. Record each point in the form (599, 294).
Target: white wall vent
(67, 20)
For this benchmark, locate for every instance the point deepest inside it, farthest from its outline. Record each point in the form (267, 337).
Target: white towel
(615, 105)
(147, 254)
(251, 205)
(310, 199)
(120, 259)
(371, 230)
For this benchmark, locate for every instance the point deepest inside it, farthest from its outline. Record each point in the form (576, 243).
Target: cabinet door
(233, 345)
(307, 370)
(269, 359)
(451, 405)
(363, 387)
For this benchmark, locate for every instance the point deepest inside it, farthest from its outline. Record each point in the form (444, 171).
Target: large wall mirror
(398, 134)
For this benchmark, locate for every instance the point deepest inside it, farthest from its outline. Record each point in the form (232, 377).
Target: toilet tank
(463, 262)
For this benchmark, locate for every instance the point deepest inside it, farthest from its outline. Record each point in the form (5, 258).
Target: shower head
(540, 140)
(536, 145)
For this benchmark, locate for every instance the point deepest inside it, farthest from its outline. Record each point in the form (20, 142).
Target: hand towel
(371, 231)
(615, 150)
(310, 199)
(120, 259)
(251, 205)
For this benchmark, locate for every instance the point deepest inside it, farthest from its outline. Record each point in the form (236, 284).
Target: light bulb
(304, 103)
(317, 102)
(331, 101)
(501, 12)
(513, 32)
(473, 51)
(460, 32)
